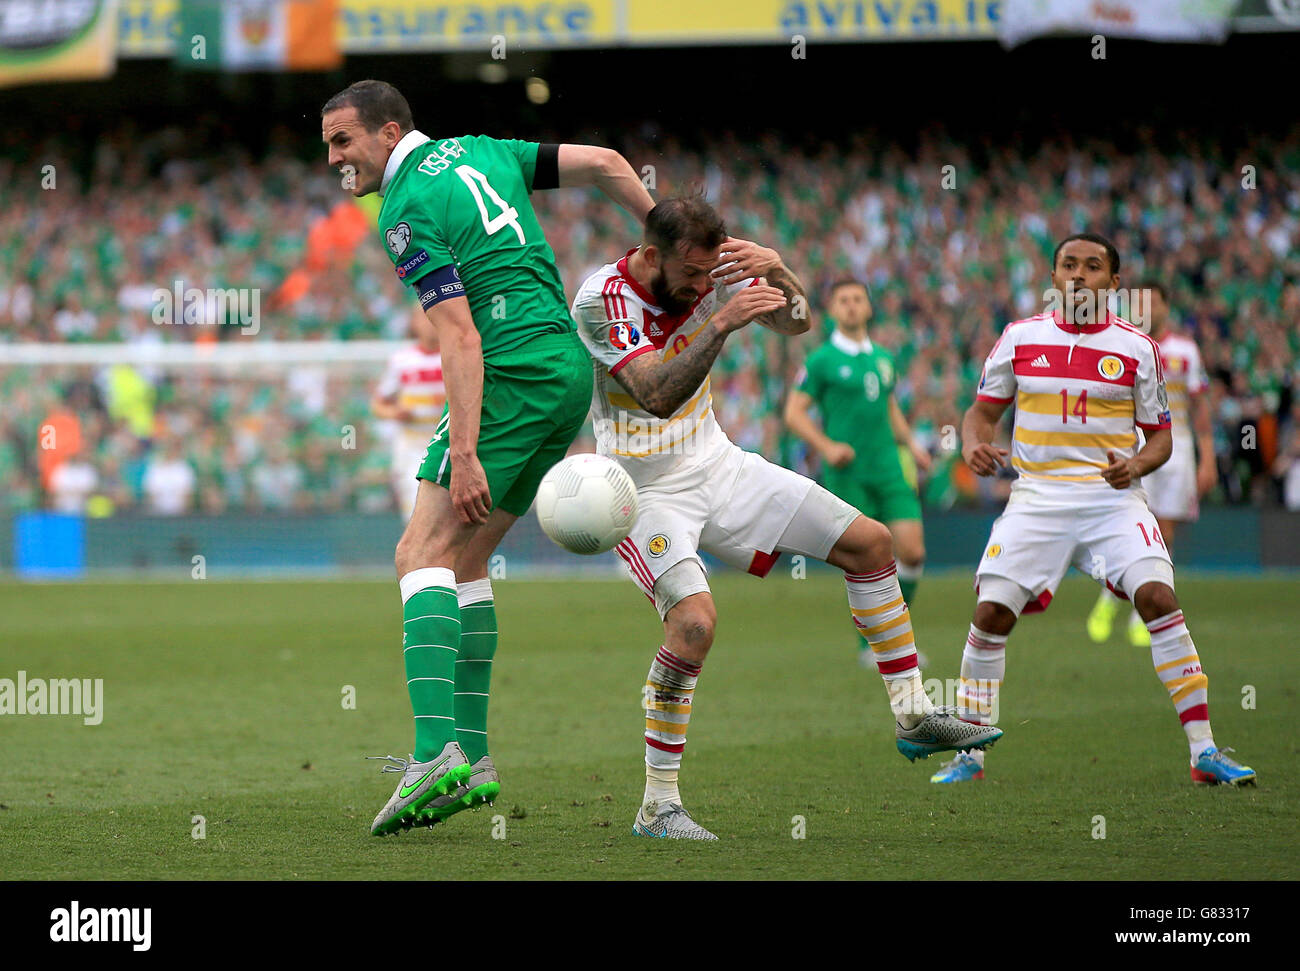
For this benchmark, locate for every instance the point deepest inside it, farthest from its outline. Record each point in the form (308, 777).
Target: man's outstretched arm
(462, 368)
(608, 171)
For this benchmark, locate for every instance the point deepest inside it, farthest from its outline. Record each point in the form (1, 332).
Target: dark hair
(377, 103)
(849, 281)
(1150, 283)
(1112, 254)
(684, 219)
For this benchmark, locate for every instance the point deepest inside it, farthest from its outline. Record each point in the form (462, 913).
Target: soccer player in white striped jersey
(1173, 490)
(411, 393)
(654, 322)
(1083, 381)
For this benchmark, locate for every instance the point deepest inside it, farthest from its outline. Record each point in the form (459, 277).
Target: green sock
(474, 666)
(909, 589)
(430, 641)
(908, 578)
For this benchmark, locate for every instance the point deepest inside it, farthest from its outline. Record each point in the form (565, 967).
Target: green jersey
(457, 221)
(851, 383)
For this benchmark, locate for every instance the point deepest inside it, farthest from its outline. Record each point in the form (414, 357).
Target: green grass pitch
(225, 700)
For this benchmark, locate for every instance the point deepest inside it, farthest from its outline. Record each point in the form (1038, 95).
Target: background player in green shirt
(851, 381)
(458, 225)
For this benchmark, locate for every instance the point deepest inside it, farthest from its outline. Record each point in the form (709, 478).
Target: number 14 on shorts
(1154, 535)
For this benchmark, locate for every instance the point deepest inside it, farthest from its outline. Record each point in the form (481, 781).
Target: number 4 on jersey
(478, 184)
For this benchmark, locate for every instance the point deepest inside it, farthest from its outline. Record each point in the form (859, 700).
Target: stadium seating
(945, 272)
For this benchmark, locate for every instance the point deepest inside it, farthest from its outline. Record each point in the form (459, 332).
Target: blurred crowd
(952, 239)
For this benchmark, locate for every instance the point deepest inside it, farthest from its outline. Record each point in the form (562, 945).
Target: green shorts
(884, 500)
(534, 405)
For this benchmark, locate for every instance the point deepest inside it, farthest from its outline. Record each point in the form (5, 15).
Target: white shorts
(737, 507)
(406, 463)
(1034, 545)
(1171, 489)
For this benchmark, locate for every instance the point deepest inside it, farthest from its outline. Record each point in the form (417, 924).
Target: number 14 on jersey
(1080, 406)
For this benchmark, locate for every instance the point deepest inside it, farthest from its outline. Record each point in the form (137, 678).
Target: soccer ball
(587, 503)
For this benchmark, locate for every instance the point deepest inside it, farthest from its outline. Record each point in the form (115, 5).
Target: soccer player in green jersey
(458, 225)
(851, 381)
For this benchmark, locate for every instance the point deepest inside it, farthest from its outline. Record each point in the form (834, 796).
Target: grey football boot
(942, 731)
(482, 786)
(422, 782)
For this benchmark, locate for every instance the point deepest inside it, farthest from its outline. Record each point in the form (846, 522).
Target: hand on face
(741, 259)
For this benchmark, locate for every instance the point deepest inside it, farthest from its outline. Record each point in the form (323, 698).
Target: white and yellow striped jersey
(1184, 379)
(619, 320)
(414, 376)
(1079, 392)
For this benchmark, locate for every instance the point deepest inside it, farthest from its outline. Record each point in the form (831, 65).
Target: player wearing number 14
(1083, 381)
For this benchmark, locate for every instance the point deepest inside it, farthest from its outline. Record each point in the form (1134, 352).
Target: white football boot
(669, 821)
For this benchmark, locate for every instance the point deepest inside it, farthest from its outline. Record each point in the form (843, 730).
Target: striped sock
(478, 645)
(983, 665)
(881, 616)
(430, 640)
(669, 689)
(1179, 667)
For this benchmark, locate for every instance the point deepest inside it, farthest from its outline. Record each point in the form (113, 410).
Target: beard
(665, 298)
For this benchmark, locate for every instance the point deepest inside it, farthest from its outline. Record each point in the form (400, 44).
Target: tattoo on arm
(661, 387)
(784, 321)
